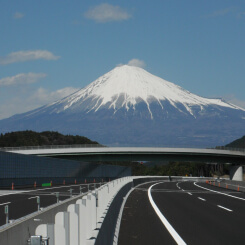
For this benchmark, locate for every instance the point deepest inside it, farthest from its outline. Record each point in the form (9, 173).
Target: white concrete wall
(78, 226)
(236, 173)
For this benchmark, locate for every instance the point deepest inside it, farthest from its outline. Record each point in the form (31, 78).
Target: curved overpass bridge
(136, 154)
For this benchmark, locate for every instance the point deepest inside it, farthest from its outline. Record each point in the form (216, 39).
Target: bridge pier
(236, 173)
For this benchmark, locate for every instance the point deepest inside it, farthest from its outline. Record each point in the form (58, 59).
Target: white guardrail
(80, 224)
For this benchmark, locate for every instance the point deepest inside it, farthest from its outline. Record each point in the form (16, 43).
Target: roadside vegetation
(31, 138)
(239, 143)
(174, 168)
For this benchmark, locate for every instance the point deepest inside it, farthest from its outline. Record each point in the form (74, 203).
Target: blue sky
(49, 49)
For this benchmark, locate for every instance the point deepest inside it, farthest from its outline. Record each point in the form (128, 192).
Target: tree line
(31, 138)
(174, 168)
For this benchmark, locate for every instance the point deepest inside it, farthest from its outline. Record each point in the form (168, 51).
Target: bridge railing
(113, 145)
(229, 148)
(50, 147)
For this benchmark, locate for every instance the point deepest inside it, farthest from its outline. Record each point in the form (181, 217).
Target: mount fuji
(130, 106)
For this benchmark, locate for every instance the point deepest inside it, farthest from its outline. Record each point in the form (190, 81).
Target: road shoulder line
(168, 226)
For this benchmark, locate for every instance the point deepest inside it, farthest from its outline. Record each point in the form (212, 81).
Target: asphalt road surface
(183, 213)
(24, 202)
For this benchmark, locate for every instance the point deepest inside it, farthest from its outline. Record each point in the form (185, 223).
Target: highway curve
(188, 213)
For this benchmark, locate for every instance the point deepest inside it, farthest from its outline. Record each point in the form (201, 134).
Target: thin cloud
(240, 15)
(22, 56)
(221, 12)
(44, 96)
(18, 15)
(233, 100)
(22, 78)
(107, 13)
(27, 99)
(137, 63)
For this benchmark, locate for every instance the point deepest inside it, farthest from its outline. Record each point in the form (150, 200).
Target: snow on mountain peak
(125, 86)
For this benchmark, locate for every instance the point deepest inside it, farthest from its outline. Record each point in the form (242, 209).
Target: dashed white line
(218, 192)
(5, 203)
(227, 209)
(168, 226)
(202, 199)
(189, 193)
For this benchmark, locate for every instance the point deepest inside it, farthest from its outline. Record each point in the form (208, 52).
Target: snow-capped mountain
(131, 106)
(125, 87)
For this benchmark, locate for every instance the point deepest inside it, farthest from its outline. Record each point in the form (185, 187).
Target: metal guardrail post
(38, 203)
(70, 192)
(57, 196)
(6, 211)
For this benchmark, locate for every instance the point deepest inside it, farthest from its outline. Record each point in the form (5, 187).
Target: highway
(183, 213)
(24, 202)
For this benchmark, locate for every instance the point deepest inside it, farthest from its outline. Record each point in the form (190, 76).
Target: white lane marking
(227, 209)
(202, 199)
(168, 226)
(5, 203)
(219, 192)
(33, 197)
(189, 193)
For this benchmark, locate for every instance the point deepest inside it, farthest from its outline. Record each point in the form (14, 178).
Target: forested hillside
(239, 143)
(31, 138)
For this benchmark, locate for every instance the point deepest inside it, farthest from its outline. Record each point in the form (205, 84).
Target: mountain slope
(239, 143)
(128, 105)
